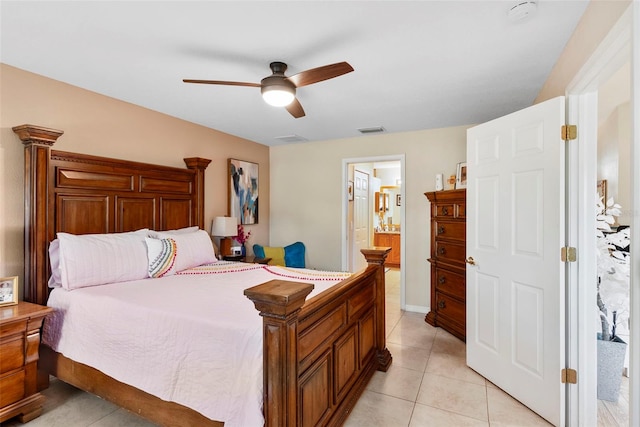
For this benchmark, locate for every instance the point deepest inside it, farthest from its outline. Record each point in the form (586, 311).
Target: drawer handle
(441, 229)
(441, 251)
(441, 280)
(441, 304)
(445, 211)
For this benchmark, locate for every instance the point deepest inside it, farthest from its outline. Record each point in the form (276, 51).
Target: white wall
(306, 191)
(614, 157)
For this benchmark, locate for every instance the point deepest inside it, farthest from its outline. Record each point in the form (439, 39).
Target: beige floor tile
(424, 415)
(504, 410)
(452, 395)
(453, 367)
(379, 410)
(121, 418)
(398, 382)
(80, 410)
(412, 331)
(409, 357)
(445, 343)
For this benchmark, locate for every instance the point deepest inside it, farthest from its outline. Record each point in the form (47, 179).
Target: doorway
(583, 94)
(385, 182)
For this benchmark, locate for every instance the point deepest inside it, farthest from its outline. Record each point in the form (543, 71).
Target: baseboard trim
(416, 309)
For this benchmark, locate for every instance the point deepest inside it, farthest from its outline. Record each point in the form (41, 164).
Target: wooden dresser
(19, 341)
(448, 269)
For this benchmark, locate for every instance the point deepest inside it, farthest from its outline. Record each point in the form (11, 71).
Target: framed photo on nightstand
(8, 290)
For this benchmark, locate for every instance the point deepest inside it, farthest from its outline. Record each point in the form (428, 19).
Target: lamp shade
(224, 226)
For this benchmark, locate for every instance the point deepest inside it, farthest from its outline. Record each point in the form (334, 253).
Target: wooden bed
(318, 354)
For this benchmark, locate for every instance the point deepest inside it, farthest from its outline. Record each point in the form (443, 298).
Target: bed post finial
(199, 165)
(37, 142)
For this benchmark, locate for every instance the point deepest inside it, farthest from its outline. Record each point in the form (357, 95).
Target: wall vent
(290, 139)
(375, 129)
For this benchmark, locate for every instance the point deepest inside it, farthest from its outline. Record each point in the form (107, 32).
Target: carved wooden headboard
(80, 194)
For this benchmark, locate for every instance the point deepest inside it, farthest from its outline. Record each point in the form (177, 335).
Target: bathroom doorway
(379, 181)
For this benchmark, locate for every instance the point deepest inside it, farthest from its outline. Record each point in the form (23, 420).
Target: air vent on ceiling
(376, 129)
(290, 139)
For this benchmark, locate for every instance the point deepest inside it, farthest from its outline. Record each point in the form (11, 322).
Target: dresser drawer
(451, 283)
(444, 210)
(11, 353)
(11, 388)
(449, 251)
(451, 308)
(450, 230)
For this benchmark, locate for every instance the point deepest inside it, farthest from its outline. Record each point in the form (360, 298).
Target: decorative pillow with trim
(193, 249)
(162, 256)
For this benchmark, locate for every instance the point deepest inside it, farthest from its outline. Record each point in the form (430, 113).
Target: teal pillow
(294, 255)
(258, 251)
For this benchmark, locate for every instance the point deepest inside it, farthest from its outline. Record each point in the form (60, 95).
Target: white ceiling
(418, 64)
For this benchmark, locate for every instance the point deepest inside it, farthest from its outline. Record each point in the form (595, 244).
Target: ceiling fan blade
(221, 82)
(295, 108)
(319, 74)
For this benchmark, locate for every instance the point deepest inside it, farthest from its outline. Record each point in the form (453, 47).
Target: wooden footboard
(319, 355)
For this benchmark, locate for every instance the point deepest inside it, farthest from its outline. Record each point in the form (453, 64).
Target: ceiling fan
(280, 91)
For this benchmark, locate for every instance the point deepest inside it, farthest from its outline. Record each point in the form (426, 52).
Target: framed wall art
(243, 191)
(8, 290)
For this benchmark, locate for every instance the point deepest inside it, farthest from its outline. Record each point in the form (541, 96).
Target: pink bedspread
(192, 338)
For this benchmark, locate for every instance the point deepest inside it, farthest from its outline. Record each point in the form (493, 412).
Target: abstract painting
(243, 191)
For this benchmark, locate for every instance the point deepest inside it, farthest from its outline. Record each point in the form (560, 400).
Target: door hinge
(569, 132)
(569, 376)
(568, 254)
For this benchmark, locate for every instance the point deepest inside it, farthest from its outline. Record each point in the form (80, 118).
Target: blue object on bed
(293, 254)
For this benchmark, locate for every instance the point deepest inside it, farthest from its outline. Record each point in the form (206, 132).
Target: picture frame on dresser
(461, 175)
(8, 291)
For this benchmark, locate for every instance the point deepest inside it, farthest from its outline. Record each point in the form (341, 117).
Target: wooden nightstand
(19, 341)
(247, 259)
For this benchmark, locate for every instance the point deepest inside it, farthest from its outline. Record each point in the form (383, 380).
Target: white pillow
(193, 249)
(186, 230)
(97, 259)
(55, 281)
(162, 256)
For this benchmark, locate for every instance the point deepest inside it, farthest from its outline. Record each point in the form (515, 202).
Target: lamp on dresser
(225, 227)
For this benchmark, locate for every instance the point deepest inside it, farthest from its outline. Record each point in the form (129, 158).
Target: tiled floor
(428, 384)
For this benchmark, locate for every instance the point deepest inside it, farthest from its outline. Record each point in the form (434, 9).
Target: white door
(361, 216)
(515, 231)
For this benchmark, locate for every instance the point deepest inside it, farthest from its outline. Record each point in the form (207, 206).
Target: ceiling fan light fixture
(277, 91)
(278, 96)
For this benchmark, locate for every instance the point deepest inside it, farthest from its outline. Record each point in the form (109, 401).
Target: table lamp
(225, 227)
